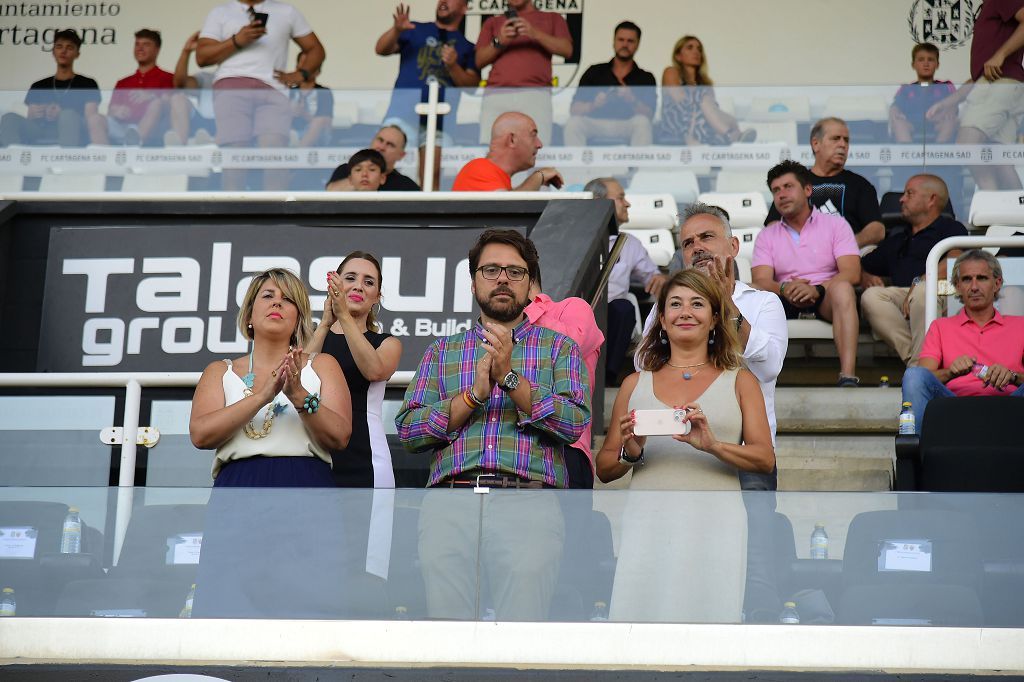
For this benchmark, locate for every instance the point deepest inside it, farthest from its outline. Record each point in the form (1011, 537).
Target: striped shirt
(499, 437)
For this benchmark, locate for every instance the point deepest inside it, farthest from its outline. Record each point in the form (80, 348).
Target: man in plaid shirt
(496, 406)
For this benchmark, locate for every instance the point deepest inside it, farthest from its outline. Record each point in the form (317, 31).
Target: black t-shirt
(617, 108)
(847, 194)
(903, 256)
(71, 94)
(395, 181)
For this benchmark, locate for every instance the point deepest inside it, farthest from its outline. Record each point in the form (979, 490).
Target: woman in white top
(682, 556)
(273, 415)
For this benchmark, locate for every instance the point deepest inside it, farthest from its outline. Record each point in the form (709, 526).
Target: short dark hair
(371, 155)
(803, 175)
(629, 25)
(513, 238)
(150, 34)
(68, 34)
(924, 47)
(405, 138)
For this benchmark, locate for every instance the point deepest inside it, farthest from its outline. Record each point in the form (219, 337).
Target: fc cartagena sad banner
(166, 298)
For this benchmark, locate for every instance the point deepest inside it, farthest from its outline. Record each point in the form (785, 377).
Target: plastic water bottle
(600, 612)
(8, 607)
(186, 610)
(819, 542)
(908, 427)
(789, 616)
(883, 382)
(71, 536)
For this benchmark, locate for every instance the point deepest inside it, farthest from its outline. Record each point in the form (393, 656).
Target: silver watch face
(511, 381)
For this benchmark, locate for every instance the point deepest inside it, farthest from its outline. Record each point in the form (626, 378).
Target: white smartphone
(660, 422)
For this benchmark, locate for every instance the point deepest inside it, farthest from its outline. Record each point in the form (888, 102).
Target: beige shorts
(248, 108)
(994, 108)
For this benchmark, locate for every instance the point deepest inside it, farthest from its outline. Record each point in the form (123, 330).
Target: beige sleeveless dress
(682, 554)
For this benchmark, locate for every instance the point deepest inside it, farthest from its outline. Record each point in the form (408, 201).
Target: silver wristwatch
(511, 381)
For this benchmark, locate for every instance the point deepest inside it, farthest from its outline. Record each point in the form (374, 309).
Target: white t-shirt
(270, 52)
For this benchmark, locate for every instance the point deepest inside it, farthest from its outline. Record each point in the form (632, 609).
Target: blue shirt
(420, 50)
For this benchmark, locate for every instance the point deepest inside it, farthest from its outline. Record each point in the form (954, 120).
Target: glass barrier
(526, 555)
(681, 141)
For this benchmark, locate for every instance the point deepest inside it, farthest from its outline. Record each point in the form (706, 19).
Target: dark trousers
(621, 320)
(761, 601)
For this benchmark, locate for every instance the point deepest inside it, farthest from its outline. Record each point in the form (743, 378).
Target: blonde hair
(293, 290)
(724, 353)
(702, 71)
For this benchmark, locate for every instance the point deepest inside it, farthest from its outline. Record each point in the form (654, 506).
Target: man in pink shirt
(574, 318)
(811, 260)
(518, 45)
(975, 352)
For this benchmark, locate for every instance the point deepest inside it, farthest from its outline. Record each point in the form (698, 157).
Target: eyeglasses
(513, 272)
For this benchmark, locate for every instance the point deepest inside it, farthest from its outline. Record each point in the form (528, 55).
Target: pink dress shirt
(574, 318)
(999, 342)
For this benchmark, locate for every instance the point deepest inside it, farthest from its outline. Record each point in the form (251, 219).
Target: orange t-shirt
(481, 175)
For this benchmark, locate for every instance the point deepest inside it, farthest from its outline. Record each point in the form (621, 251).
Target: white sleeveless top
(287, 437)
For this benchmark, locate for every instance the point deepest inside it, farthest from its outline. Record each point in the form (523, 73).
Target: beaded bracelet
(312, 403)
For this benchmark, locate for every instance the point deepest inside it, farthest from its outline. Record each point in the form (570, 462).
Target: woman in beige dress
(682, 555)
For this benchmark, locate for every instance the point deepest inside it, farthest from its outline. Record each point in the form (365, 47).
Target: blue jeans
(920, 386)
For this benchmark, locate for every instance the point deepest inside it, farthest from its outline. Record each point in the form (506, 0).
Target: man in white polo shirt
(248, 40)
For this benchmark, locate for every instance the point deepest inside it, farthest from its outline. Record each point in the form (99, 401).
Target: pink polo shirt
(810, 253)
(574, 318)
(999, 342)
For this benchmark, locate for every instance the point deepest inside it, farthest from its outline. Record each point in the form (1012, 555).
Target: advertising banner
(166, 298)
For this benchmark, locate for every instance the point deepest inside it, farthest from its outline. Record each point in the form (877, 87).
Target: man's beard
(501, 312)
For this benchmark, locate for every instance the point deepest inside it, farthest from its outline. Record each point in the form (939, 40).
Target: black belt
(476, 478)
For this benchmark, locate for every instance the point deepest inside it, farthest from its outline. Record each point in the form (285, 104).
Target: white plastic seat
(72, 183)
(652, 211)
(997, 208)
(745, 209)
(769, 132)
(10, 184)
(561, 106)
(660, 243)
(858, 107)
(809, 329)
(743, 265)
(155, 183)
(791, 108)
(681, 184)
(743, 181)
(346, 114)
(747, 236)
(468, 112)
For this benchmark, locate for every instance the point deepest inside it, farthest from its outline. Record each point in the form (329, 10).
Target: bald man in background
(513, 148)
(896, 312)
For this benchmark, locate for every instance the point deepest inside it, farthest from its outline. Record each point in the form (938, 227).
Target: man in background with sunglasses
(495, 407)
(896, 311)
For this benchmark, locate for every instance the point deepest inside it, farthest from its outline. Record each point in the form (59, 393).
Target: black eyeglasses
(513, 272)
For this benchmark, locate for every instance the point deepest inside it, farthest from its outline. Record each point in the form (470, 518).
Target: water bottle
(600, 612)
(908, 427)
(819, 542)
(789, 616)
(8, 606)
(186, 610)
(883, 382)
(71, 536)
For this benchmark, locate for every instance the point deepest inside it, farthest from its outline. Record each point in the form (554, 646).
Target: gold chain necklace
(688, 375)
(273, 409)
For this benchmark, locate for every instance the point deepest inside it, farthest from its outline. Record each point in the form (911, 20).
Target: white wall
(784, 42)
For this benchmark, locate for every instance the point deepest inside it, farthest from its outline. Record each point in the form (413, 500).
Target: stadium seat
(346, 114)
(651, 211)
(743, 181)
(747, 236)
(72, 183)
(11, 183)
(768, 132)
(681, 184)
(937, 585)
(743, 265)
(155, 183)
(745, 209)
(660, 243)
(997, 208)
(858, 107)
(792, 108)
(950, 458)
